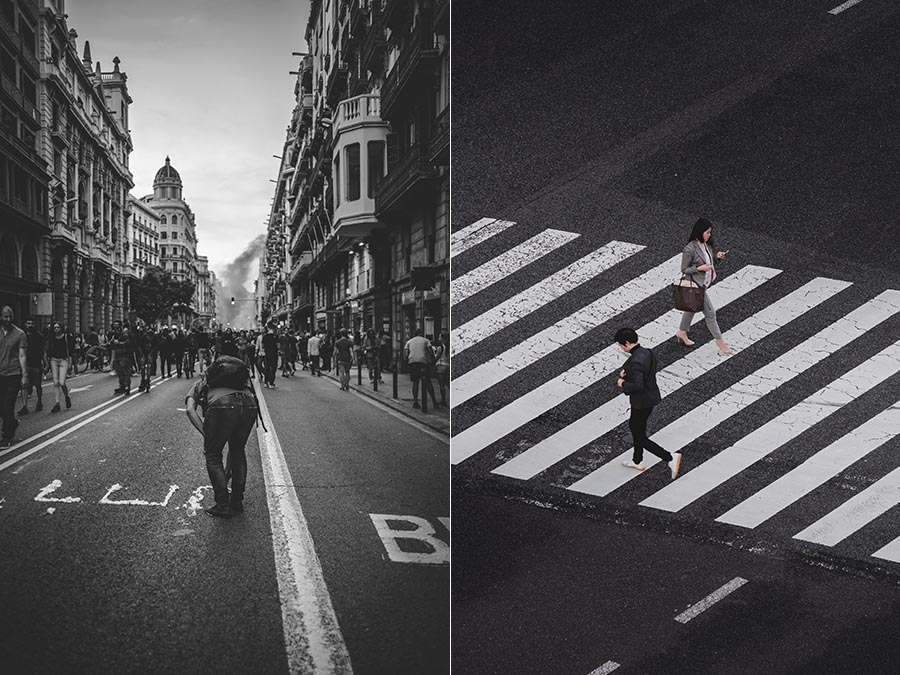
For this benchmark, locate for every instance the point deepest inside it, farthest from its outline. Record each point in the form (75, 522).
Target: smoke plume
(233, 284)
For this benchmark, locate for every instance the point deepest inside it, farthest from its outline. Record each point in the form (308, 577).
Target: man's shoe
(39, 407)
(55, 408)
(219, 511)
(237, 506)
(633, 465)
(675, 464)
(127, 392)
(23, 410)
(5, 442)
(68, 402)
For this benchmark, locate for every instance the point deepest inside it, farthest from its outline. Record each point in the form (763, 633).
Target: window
(376, 165)
(353, 172)
(174, 220)
(163, 220)
(162, 251)
(174, 235)
(337, 183)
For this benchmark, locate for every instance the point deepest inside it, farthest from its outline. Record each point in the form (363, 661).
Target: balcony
(372, 52)
(337, 83)
(303, 260)
(62, 232)
(439, 144)
(358, 111)
(404, 181)
(416, 60)
(358, 11)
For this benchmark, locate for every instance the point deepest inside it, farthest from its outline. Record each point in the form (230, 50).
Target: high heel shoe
(684, 339)
(724, 348)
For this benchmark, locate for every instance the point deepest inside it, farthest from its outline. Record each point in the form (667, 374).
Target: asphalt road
(626, 122)
(110, 565)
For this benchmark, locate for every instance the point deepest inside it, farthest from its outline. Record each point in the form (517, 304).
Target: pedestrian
(442, 365)
(386, 352)
(13, 372)
(166, 350)
(60, 352)
(343, 353)
(303, 350)
(312, 348)
(122, 344)
(698, 262)
(201, 340)
(638, 380)
(223, 408)
(34, 362)
(270, 351)
(143, 346)
(371, 346)
(179, 345)
(326, 350)
(420, 356)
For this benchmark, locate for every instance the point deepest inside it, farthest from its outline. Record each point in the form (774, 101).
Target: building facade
(64, 176)
(358, 234)
(142, 237)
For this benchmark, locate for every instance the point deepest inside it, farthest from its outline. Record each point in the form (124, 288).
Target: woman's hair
(701, 226)
(58, 323)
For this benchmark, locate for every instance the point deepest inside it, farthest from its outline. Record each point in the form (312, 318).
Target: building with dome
(178, 242)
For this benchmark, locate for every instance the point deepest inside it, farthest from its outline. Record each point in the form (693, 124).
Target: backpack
(228, 371)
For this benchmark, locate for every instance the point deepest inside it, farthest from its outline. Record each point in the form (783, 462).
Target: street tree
(158, 294)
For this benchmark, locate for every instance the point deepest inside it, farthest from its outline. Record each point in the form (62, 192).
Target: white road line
(66, 421)
(476, 233)
(508, 262)
(711, 599)
(575, 379)
(768, 438)
(18, 458)
(750, 389)
(606, 417)
(605, 669)
(465, 386)
(857, 512)
(815, 471)
(313, 640)
(846, 5)
(542, 293)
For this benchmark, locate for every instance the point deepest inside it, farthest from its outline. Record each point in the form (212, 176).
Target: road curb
(438, 424)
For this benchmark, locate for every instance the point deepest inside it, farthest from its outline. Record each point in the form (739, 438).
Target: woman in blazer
(698, 262)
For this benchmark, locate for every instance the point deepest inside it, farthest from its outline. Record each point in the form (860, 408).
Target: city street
(588, 139)
(340, 562)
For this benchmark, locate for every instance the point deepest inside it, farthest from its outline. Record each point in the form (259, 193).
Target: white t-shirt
(416, 347)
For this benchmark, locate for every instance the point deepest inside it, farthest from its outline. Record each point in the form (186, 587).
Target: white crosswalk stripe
(791, 494)
(750, 389)
(815, 471)
(855, 513)
(774, 434)
(685, 370)
(476, 233)
(506, 263)
(542, 293)
(575, 379)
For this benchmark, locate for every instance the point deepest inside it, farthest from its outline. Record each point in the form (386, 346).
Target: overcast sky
(211, 88)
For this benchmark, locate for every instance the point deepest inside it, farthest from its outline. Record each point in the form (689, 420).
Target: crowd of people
(127, 350)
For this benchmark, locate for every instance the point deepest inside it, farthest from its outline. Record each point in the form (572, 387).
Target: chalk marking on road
(710, 600)
(77, 389)
(66, 421)
(18, 458)
(135, 502)
(312, 637)
(816, 470)
(422, 531)
(573, 381)
(846, 5)
(506, 263)
(540, 294)
(50, 489)
(477, 232)
(606, 668)
(195, 503)
(773, 435)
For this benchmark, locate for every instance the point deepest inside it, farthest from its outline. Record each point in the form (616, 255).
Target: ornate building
(358, 234)
(64, 176)
(142, 238)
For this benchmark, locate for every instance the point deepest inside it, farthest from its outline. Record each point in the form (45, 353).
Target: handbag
(687, 295)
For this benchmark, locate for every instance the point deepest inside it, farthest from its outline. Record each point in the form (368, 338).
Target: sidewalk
(436, 418)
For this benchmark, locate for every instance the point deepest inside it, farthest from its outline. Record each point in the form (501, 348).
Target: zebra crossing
(488, 426)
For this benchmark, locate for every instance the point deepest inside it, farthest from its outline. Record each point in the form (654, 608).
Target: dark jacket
(640, 378)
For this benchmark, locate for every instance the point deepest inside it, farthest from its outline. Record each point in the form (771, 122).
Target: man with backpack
(223, 407)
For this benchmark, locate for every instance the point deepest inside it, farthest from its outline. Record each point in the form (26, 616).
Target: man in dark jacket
(638, 380)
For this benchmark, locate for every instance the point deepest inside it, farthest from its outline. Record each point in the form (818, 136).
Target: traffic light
(232, 299)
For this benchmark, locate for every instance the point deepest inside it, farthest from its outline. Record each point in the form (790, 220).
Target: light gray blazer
(691, 258)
